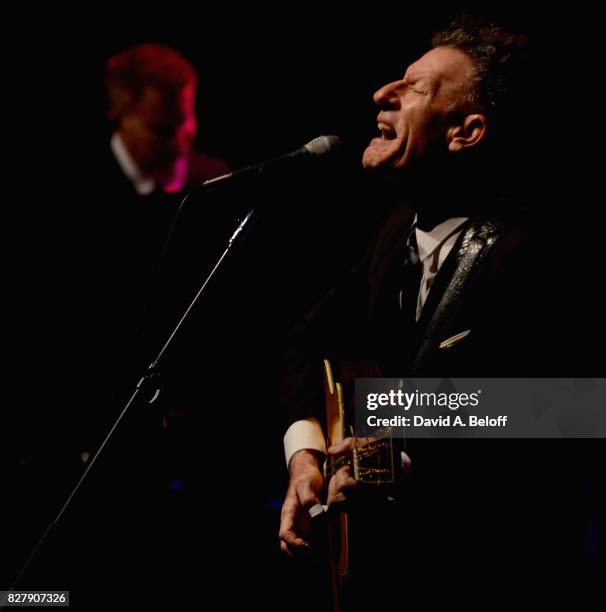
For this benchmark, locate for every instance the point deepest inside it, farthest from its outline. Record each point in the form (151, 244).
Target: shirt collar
(428, 242)
(143, 185)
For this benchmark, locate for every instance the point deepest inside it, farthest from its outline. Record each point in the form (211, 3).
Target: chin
(380, 164)
(380, 155)
(372, 160)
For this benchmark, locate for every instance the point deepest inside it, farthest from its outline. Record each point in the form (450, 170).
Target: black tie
(412, 272)
(393, 316)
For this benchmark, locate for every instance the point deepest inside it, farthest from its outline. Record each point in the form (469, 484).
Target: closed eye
(415, 85)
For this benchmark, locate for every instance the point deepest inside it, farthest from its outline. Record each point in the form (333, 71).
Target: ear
(467, 134)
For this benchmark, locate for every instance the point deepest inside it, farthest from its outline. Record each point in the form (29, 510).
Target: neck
(432, 211)
(442, 194)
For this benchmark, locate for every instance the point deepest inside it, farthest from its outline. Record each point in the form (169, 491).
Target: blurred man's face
(159, 130)
(416, 111)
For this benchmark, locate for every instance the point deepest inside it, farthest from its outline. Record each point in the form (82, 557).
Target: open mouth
(387, 132)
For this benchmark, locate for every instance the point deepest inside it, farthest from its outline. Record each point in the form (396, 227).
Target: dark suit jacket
(475, 511)
(360, 318)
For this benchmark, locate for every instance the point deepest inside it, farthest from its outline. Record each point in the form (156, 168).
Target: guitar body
(338, 532)
(374, 465)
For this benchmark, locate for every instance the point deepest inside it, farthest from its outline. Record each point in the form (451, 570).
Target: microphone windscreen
(322, 144)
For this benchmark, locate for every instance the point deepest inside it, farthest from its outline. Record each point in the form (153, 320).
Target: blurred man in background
(152, 92)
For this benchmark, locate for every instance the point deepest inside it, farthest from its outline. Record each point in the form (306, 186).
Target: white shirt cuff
(303, 434)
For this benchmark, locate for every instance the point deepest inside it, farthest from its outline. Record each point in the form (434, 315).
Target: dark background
(165, 501)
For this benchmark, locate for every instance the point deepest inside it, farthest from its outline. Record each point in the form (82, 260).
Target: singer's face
(417, 111)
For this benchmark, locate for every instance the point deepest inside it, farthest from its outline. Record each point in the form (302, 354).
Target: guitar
(375, 464)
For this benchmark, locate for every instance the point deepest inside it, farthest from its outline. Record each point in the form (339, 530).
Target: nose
(387, 96)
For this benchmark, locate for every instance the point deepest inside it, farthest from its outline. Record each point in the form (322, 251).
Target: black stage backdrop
(191, 511)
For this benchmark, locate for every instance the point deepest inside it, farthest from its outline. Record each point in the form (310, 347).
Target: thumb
(307, 494)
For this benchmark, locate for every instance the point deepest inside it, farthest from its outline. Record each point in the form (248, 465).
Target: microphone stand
(146, 380)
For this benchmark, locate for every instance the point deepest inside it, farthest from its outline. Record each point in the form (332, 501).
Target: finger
(340, 486)
(365, 441)
(292, 539)
(339, 496)
(296, 547)
(306, 494)
(348, 444)
(284, 548)
(288, 533)
(288, 525)
(405, 463)
(337, 500)
(343, 479)
(289, 513)
(345, 446)
(293, 545)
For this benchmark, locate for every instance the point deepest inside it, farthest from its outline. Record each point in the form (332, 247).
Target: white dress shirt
(434, 247)
(143, 185)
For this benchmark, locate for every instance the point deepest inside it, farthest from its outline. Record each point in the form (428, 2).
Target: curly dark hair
(499, 57)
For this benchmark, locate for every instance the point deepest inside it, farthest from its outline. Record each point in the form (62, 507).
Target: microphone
(318, 146)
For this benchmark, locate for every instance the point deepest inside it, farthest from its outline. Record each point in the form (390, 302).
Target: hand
(304, 489)
(342, 483)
